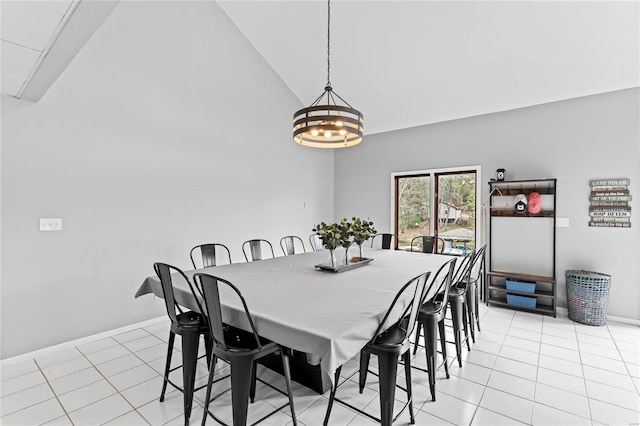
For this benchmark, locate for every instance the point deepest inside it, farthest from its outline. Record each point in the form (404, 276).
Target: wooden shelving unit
(496, 290)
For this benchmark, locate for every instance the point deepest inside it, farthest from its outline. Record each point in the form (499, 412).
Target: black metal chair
(445, 246)
(190, 326)
(206, 255)
(431, 321)
(256, 248)
(459, 306)
(423, 243)
(389, 342)
(292, 244)
(387, 240)
(471, 282)
(239, 348)
(316, 242)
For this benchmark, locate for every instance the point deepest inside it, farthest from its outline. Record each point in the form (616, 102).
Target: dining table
(329, 316)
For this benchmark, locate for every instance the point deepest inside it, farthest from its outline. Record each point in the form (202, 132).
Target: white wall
(143, 148)
(574, 141)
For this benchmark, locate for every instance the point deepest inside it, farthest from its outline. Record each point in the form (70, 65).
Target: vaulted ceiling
(402, 63)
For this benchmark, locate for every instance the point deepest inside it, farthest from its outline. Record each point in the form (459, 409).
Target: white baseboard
(621, 320)
(624, 320)
(78, 342)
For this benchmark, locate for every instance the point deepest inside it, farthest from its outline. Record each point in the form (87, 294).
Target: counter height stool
(257, 249)
(431, 321)
(206, 255)
(389, 343)
(459, 306)
(423, 243)
(190, 326)
(471, 282)
(239, 348)
(292, 244)
(386, 240)
(316, 242)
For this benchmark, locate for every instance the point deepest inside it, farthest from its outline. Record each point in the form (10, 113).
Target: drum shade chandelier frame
(325, 124)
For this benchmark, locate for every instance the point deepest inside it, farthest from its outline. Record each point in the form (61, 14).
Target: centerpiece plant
(344, 233)
(345, 237)
(361, 230)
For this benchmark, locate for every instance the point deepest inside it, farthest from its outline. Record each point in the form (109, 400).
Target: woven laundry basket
(587, 296)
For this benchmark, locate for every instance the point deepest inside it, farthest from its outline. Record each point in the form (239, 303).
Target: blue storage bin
(522, 286)
(527, 302)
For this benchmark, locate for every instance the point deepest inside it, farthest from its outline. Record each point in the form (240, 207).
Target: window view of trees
(414, 212)
(455, 212)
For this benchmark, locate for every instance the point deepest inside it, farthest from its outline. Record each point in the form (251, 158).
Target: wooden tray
(328, 268)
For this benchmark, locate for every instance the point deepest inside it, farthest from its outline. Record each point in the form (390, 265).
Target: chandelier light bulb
(327, 134)
(339, 123)
(314, 132)
(343, 132)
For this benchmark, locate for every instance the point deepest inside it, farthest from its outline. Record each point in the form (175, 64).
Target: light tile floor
(522, 369)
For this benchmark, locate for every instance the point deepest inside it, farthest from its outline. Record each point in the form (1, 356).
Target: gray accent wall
(574, 141)
(156, 138)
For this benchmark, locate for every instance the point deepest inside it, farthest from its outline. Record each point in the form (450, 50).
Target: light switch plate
(50, 224)
(562, 222)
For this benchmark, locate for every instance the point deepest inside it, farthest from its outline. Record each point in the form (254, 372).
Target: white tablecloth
(329, 315)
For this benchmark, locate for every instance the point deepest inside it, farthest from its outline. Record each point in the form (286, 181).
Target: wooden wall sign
(609, 203)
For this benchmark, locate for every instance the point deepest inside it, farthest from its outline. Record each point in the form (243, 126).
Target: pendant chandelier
(326, 124)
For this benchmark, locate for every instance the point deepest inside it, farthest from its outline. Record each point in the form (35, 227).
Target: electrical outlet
(562, 222)
(50, 224)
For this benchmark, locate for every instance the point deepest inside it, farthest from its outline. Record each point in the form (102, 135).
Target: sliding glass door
(438, 204)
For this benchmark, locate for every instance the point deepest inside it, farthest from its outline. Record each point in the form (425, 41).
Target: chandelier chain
(328, 43)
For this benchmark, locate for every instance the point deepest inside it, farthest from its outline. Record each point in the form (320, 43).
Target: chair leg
(388, 369)
(167, 368)
(212, 371)
(477, 309)
(332, 396)
(456, 318)
(287, 378)
(208, 346)
(240, 387)
(252, 390)
(190, 340)
(471, 308)
(430, 343)
(418, 328)
(364, 369)
(465, 325)
(443, 345)
(407, 373)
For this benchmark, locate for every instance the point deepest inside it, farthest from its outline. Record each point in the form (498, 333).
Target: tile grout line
(484, 389)
(144, 363)
(94, 366)
(565, 390)
(55, 395)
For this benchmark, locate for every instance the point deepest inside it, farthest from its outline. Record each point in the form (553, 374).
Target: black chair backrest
(387, 240)
(463, 271)
(288, 245)
(208, 254)
(316, 242)
(441, 284)
(407, 321)
(425, 242)
(164, 271)
(444, 245)
(209, 286)
(478, 260)
(255, 249)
